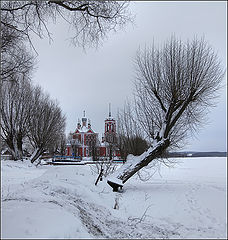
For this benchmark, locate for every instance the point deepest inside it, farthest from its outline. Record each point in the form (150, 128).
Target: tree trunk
(19, 146)
(36, 154)
(11, 147)
(15, 149)
(132, 166)
(99, 176)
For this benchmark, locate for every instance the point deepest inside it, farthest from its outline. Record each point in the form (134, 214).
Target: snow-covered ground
(188, 201)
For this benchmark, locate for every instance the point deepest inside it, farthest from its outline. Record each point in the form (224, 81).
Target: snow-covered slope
(188, 201)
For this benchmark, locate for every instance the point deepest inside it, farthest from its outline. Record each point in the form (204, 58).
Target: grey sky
(90, 80)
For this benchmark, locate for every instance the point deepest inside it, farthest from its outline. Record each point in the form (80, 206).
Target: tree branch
(184, 106)
(18, 8)
(159, 99)
(80, 8)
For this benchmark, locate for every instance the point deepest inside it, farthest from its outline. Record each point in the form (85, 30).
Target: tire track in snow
(96, 218)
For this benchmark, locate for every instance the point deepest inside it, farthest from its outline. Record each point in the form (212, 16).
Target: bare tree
(62, 144)
(92, 143)
(16, 68)
(132, 145)
(17, 65)
(26, 112)
(175, 86)
(90, 20)
(59, 145)
(15, 59)
(103, 167)
(46, 123)
(15, 113)
(130, 139)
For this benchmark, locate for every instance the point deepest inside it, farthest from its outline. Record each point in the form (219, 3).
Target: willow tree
(175, 86)
(15, 112)
(46, 123)
(90, 21)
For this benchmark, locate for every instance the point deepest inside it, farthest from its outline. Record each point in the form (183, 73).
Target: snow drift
(188, 201)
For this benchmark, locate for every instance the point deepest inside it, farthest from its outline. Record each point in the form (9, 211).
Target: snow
(103, 144)
(38, 219)
(162, 131)
(84, 129)
(115, 180)
(187, 201)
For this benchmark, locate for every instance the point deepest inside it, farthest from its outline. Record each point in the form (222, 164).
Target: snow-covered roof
(84, 129)
(103, 144)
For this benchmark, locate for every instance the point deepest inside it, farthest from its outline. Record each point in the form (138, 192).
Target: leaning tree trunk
(36, 154)
(132, 166)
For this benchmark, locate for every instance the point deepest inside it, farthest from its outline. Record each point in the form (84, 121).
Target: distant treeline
(197, 154)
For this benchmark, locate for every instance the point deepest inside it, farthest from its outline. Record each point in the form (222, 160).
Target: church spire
(84, 119)
(109, 109)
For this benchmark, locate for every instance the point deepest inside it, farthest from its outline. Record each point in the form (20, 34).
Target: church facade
(84, 141)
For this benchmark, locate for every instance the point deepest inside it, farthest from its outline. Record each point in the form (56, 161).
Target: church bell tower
(110, 128)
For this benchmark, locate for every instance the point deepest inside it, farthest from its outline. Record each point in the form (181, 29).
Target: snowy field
(188, 201)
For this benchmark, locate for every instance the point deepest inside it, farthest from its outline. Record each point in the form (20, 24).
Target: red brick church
(84, 142)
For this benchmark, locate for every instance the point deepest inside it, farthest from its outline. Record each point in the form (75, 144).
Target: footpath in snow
(188, 201)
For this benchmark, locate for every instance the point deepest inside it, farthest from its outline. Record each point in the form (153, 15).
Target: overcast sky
(92, 79)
